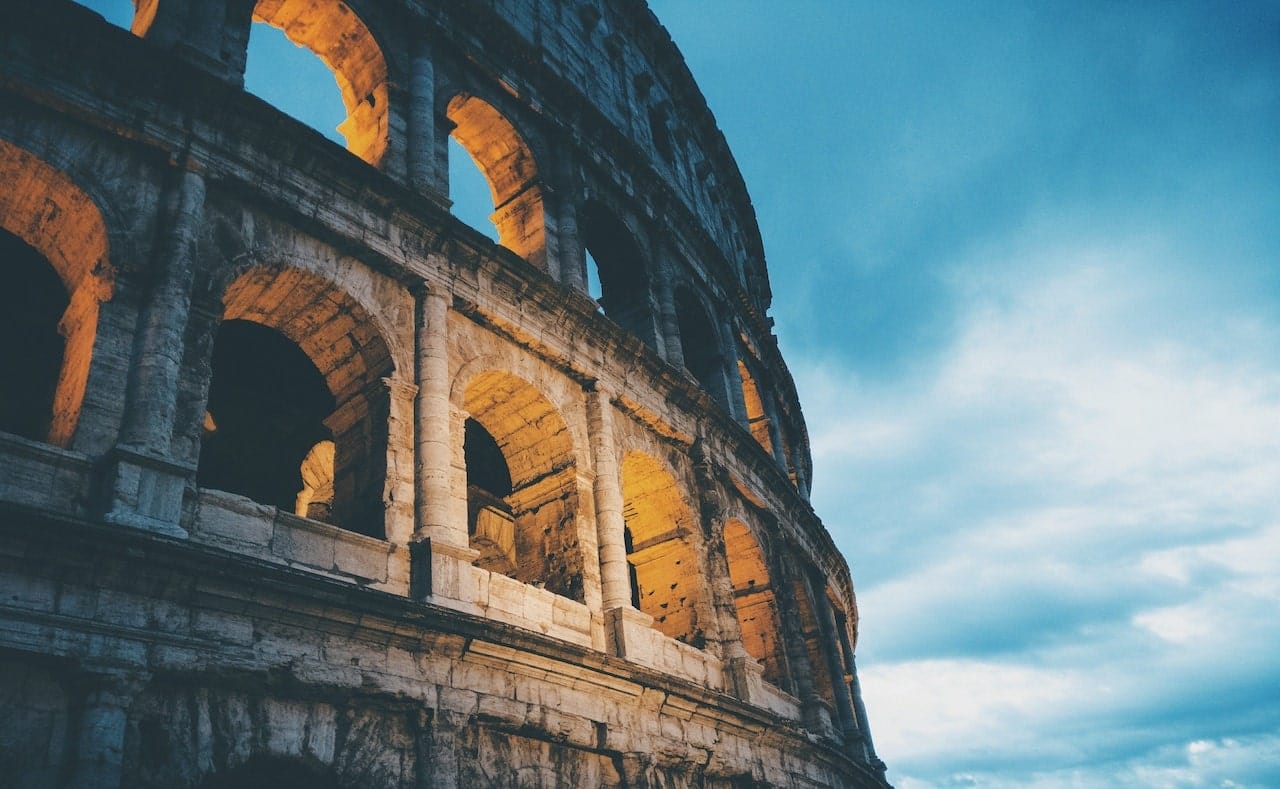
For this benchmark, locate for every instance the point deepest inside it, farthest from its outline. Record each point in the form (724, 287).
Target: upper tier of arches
(653, 208)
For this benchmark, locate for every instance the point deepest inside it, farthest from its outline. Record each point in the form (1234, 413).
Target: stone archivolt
(313, 483)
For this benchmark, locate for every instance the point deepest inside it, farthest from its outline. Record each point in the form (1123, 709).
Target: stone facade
(304, 482)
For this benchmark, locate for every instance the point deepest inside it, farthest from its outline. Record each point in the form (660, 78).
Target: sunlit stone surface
(309, 483)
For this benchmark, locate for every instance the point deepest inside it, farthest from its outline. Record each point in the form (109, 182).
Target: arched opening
(490, 518)
(754, 599)
(757, 419)
(619, 268)
(331, 30)
(522, 493)
(273, 772)
(668, 575)
(298, 363)
(31, 304)
(823, 683)
(469, 197)
(507, 163)
(265, 414)
(701, 345)
(54, 248)
(117, 12)
(294, 80)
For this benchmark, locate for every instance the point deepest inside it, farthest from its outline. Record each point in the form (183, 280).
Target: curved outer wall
(329, 488)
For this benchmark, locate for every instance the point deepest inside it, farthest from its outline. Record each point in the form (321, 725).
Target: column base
(440, 570)
(146, 491)
(629, 633)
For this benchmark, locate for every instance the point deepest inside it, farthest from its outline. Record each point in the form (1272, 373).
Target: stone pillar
(423, 170)
(667, 320)
(399, 490)
(615, 583)
(103, 714)
(440, 543)
(733, 377)
(775, 427)
(832, 651)
(815, 717)
(855, 693)
(724, 629)
(146, 484)
(573, 261)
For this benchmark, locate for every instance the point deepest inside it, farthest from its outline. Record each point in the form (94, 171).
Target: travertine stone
(285, 559)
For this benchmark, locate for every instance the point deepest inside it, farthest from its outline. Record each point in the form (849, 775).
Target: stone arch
(667, 574)
(45, 210)
(757, 416)
(754, 600)
(508, 164)
(700, 341)
(342, 40)
(621, 267)
(824, 685)
(530, 531)
(339, 338)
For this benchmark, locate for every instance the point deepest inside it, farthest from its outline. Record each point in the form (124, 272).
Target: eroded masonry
(304, 482)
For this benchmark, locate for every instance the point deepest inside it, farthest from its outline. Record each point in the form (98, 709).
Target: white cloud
(1067, 533)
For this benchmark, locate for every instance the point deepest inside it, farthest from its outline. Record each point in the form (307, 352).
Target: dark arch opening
(266, 410)
(620, 270)
(701, 345)
(31, 305)
(522, 484)
(486, 467)
(272, 772)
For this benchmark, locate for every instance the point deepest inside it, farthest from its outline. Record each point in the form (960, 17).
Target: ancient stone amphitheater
(305, 482)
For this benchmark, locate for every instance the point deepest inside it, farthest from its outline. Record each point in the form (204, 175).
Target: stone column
(103, 714)
(400, 488)
(423, 172)
(733, 378)
(615, 583)
(775, 427)
(724, 629)
(440, 543)
(855, 692)
(573, 262)
(815, 717)
(667, 319)
(832, 651)
(145, 483)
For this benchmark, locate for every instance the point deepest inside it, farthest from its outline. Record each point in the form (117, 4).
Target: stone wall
(667, 610)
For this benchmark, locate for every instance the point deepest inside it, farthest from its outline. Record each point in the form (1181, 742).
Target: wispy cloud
(1066, 528)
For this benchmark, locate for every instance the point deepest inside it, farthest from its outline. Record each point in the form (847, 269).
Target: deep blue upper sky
(1026, 267)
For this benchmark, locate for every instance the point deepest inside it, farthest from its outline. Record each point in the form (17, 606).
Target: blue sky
(1026, 266)
(1026, 271)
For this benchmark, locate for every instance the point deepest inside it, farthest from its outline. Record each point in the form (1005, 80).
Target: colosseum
(307, 483)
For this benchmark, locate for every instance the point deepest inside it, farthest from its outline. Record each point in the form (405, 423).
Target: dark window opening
(490, 518)
(487, 473)
(31, 305)
(619, 269)
(701, 346)
(633, 576)
(272, 772)
(267, 402)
